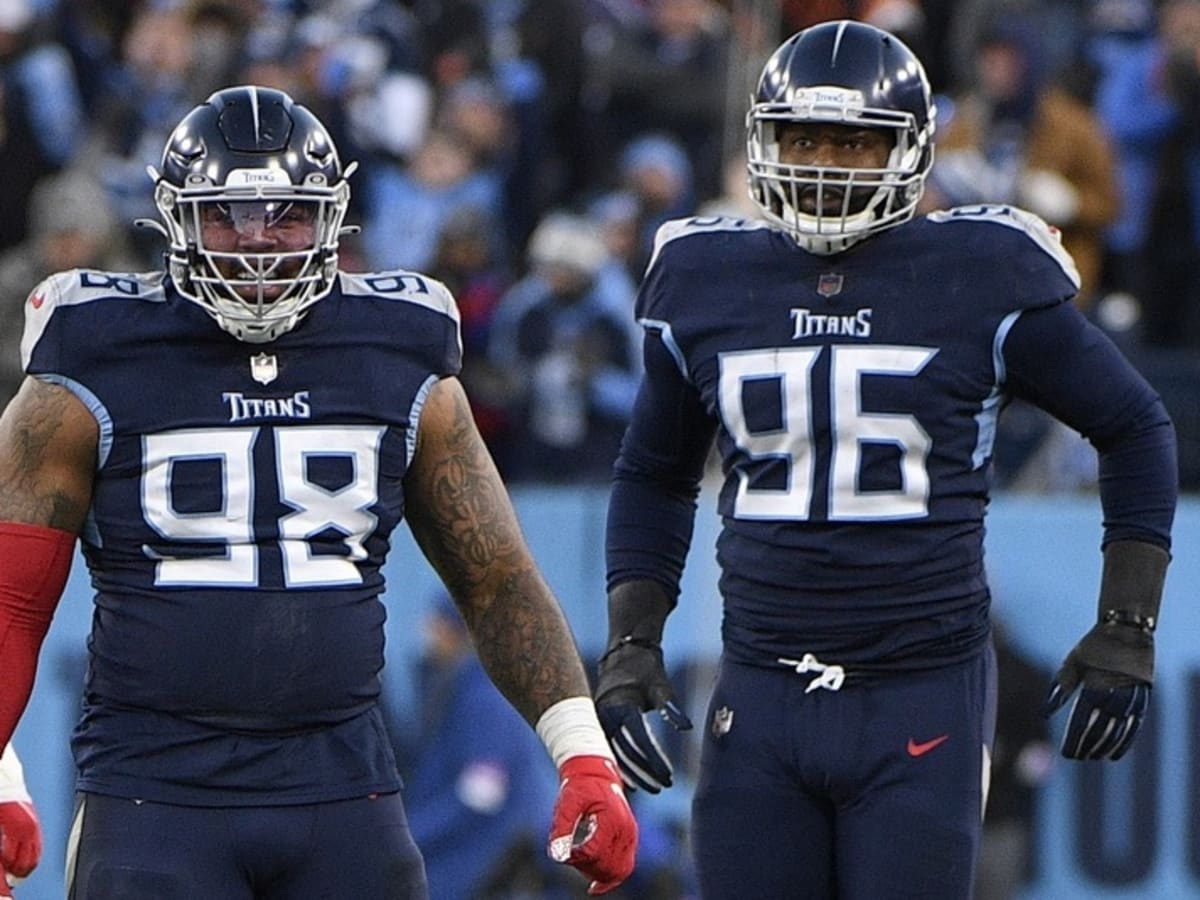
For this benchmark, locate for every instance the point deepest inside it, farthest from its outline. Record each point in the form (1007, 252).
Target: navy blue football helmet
(849, 73)
(252, 155)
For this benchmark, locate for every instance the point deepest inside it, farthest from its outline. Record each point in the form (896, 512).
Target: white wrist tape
(12, 778)
(570, 728)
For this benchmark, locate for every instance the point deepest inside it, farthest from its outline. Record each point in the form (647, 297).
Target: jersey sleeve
(450, 354)
(445, 345)
(657, 474)
(1046, 273)
(1059, 361)
(419, 311)
(1017, 249)
(43, 339)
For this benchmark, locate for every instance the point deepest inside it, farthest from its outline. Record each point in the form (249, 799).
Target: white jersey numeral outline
(314, 508)
(851, 427)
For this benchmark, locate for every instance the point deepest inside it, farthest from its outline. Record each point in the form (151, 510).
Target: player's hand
(593, 829)
(20, 843)
(1113, 667)
(633, 681)
(20, 838)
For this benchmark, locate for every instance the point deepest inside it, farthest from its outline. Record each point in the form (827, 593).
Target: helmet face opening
(841, 74)
(252, 195)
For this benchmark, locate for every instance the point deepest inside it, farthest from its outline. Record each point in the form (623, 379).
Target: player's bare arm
(48, 444)
(47, 459)
(461, 515)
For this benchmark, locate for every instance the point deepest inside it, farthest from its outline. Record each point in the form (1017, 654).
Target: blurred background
(524, 153)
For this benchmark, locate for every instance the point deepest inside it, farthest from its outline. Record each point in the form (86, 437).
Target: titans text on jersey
(242, 407)
(854, 401)
(244, 497)
(807, 323)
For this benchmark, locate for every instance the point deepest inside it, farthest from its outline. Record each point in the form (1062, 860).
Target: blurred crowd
(525, 153)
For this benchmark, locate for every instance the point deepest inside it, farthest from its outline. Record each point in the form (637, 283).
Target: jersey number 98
(316, 509)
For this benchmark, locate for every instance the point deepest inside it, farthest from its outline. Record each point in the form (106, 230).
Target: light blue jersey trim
(1048, 239)
(95, 407)
(679, 228)
(987, 418)
(668, 339)
(90, 533)
(414, 417)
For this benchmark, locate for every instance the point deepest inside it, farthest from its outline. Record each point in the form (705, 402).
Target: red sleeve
(34, 564)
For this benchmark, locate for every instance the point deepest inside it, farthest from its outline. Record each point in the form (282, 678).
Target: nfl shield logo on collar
(829, 284)
(263, 368)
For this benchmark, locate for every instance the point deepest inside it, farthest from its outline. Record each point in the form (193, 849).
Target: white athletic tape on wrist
(570, 728)
(12, 778)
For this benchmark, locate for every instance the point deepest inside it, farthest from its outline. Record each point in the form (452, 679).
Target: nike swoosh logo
(915, 749)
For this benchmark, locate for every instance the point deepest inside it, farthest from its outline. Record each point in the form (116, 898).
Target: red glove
(593, 828)
(20, 839)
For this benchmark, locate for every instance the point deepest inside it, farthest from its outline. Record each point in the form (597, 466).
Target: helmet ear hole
(842, 73)
(252, 145)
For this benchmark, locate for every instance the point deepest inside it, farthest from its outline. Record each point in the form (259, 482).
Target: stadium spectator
(41, 115)
(663, 73)
(564, 334)
(654, 169)
(72, 226)
(406, 205)
(1152, 109)
(170, 54)
(470, 261)
(1016, 137)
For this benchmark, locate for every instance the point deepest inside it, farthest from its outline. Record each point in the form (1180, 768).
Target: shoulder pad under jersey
(401, 284)
(680, 228)
(76, 286)
(1045, 236)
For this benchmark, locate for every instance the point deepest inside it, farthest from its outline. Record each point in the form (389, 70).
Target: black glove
(633, 681)
(1113, 665)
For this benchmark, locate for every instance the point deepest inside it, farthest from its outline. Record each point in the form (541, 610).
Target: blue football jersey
(854, 400)
(243, 501)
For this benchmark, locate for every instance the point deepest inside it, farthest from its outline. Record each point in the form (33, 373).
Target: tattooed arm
(47, 464)
(47, 458)
(459, 511)
(460, 514)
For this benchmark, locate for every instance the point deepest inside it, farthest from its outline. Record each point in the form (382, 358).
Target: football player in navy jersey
(233, 441)
(850, 361)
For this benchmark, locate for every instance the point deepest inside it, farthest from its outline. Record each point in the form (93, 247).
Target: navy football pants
(871, 792)
(134, 850)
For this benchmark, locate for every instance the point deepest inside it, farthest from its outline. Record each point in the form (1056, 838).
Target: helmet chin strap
(247, 331)
(827, 235)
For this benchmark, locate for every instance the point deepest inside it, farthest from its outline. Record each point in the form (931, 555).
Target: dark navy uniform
(244, 498)
(854, 399)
